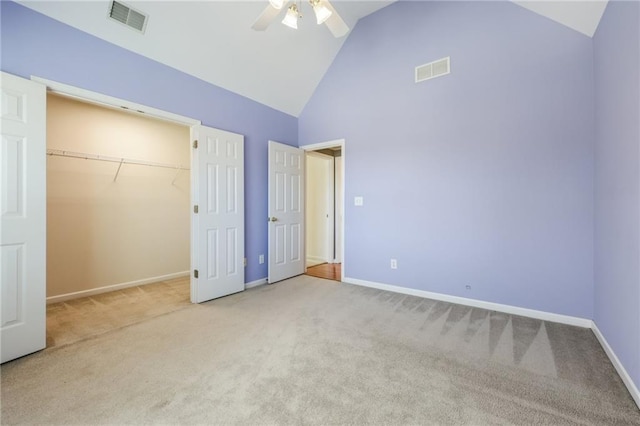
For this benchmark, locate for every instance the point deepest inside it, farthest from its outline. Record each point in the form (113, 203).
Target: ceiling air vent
(433, 69)
(128, 16)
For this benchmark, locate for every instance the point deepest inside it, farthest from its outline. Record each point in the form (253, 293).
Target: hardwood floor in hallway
(329, 271)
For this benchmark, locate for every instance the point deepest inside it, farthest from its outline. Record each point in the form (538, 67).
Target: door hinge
(195, 273)
(245, 261)
(195, 144)
(195, 209)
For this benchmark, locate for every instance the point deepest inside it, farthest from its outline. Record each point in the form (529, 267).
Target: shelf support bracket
(179, 169)
(118, 171)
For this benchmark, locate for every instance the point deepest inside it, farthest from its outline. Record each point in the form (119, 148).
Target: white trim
(515, 310)
(622, 372)
(343, 145)
(323, 145)
(114, 287)
(194, 218)
(255, 283)
(111, 102)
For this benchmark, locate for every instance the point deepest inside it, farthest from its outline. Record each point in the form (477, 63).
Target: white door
(286, 212)
(218, 216)
(23, 220)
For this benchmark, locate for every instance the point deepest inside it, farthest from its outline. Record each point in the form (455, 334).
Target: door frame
(100, 99)
(331, 144)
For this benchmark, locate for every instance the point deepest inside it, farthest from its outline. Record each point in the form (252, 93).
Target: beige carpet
(78, 319)
(311, 351)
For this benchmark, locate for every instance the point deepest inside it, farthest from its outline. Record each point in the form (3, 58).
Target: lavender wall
(483, 177)
(33, 44)
(617, 201)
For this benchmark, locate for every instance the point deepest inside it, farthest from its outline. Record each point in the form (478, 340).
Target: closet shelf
(120, 161)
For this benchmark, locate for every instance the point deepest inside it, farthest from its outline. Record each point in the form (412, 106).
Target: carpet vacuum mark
(307, 351)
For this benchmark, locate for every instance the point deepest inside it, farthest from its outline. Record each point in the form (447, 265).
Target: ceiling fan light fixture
(291, 18)
(322, 12)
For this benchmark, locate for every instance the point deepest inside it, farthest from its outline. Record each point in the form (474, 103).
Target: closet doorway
(118, 218)
(324, 212)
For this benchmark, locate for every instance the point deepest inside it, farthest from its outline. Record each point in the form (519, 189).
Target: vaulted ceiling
(280, 67)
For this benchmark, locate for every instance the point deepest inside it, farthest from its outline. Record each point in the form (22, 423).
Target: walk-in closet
(118, 218)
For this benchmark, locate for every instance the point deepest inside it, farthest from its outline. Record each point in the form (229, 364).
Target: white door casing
(218, 225)
(339, 208)
(286, 212)
(23, 217)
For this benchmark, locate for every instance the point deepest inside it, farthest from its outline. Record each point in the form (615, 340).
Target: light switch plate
(358, 201)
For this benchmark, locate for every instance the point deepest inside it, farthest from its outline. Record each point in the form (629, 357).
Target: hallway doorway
(324, 189)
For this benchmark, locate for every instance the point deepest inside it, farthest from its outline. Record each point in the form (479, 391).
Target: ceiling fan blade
(267, 16)
(335, 23)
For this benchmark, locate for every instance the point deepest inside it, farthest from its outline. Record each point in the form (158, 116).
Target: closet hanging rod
(85, 156)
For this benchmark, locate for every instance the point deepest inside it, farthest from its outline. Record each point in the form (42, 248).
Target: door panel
(286, 211)
(218, 229)
(296, 239)
(23, 217)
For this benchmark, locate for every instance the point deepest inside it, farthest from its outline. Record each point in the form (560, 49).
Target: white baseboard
(515, 310)
(114, 287)
(255, 283)
(622, 372)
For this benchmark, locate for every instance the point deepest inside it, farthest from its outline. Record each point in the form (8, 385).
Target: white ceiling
(582, 16)
(280, 67)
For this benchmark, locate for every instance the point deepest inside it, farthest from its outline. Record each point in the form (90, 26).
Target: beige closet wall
(103, 233)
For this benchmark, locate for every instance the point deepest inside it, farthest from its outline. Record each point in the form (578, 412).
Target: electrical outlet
(261, 259)
(394, 264)
(358, 201)
(468, 287)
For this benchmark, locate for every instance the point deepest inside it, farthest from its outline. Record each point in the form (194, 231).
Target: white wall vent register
(128, 16)
(433, 69)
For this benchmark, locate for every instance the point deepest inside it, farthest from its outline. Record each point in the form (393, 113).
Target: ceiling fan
(324, 11)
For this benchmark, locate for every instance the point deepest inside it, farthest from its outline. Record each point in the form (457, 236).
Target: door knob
(273, 219)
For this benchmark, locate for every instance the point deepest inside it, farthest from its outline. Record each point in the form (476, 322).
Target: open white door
(286, 212)
(218, 215)
(23, 221)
